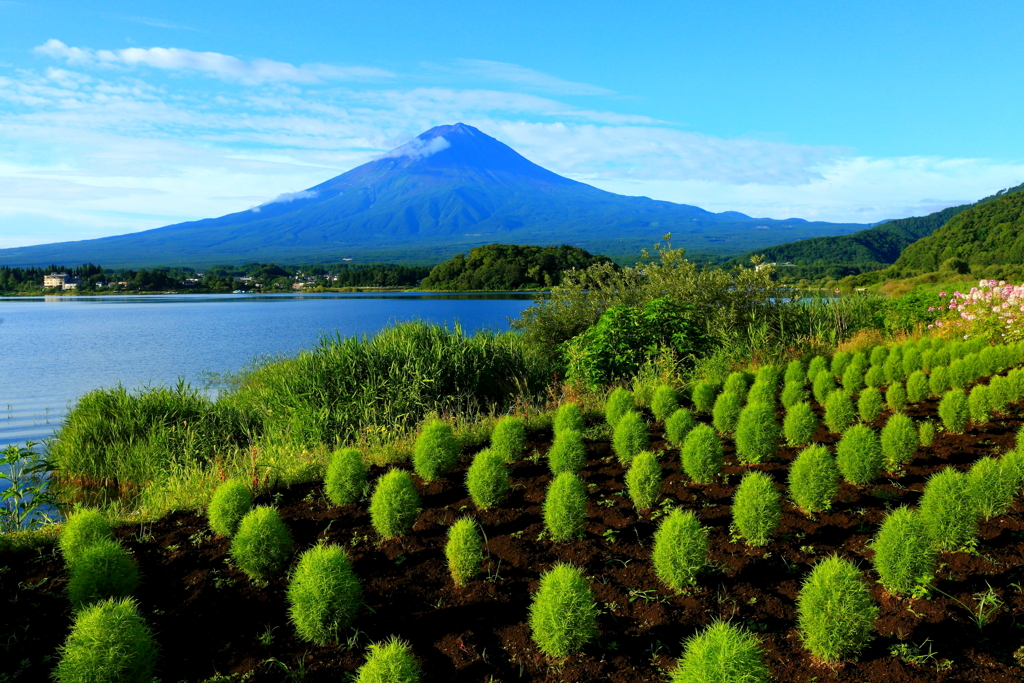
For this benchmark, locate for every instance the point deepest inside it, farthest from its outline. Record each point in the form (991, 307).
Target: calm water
(54, 349)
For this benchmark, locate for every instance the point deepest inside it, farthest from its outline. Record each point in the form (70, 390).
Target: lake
(54, 349)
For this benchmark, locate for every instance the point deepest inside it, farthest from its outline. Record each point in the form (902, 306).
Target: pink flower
(931, 308)
(942, 294)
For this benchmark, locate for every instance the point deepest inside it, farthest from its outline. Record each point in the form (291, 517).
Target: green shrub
(726, 412)
(992, 485)
(262, 545)
(769, 375)
(619, 402)
(664, 402)
(678, 425)
(756, 508)
(323, 594)
(948, 509)
(680, 549)
(836, 614)
(737, 383)
(487, 479)
(568, 453)
(853, 380)
(824, 384)
(389, 662)
(869, 405)
(763, 392)
(793, 393)
(109, 643)
(878, 356)
(569, 417)
(954, 411)
(702, 454)
(959, 373)
(917, 387)
(999, 394)
(814, 479)
(703, 396)
(630, 437)
(979, 405)
(800, 424)
(926, 433)
(896, 397)
(721, 653)
(893, 366)
(927, 361)
(464, 551)
(911, 362)
(859, 454)
(643, 480)
(436, 452)
(394, 504)
(795, 372)
(899, 441)
(904, 553)
(938, 381)
(346, 476)
(943, 358)
(757, 433)
(508, 439)
(874, 377)
(101, 570)
(83, 527)
(839, 412)
(840, 362)
(814, 368)
(565, 507)
(563, 614)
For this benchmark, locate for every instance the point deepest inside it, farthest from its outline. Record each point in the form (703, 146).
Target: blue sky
(117, 117)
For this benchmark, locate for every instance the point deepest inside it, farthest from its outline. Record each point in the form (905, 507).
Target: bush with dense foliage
(323, 594)
(84, 526)
(436, 452)
(702, 454)
(345, 480)
(904, 553)
(620, 401)
(487, 479)
(262, 545)
(726, 412)
(389, 662)
(800, 424)
(508, 438)
(836, 612)
(464, 551)
(721, 652)
(568, 453)
(756, 508)
(109, 643)
(565, 507)
(563, 613)
(859, 454)
(757, 433)
(630, 436)
(394, 504)
(814, 479)
(678, 425)
(680, 549)
(101, 570)
(643, 480)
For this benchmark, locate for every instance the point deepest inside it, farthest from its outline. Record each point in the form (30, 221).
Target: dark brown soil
(211, 620)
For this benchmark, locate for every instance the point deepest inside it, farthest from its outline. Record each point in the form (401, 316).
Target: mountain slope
(451, 188)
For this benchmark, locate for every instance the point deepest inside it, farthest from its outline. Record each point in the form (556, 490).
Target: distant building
(60, 280)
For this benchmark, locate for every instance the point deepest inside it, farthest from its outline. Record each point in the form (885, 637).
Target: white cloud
(503, 72)
(418, 149)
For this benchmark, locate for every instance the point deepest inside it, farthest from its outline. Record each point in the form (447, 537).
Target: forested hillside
(502, 267)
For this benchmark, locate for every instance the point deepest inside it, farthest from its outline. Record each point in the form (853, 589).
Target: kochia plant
(678, 425)
(938, 380)
(464, 551)
(487, 479)
(816, 366)
(508, 439)
(262, 545)
(859, 454)
(917, 387)
(992, 484)
(568, 453)
(643, 480)
(836, 612)
(853, 379)
(702, 454)
(703, 396)
(979, 404)
(878, 356)
(680, 549)
(814, 479)
(869, 405)
(954, 411)
(389, 662)
(394, 504)
(840, 362)
(630, 436)
(109, 641)
(569, 417)
(899, 441)
(874, 377)
(896, 397)
(948, 509)
(102, 570)
(345, 478)
(664, 402)
(721, 652)
(619, 402)
(893, 366)
(563, 614)
(323, 594)
(839, 412)
(911, 361)
(83, 527)
(737, 383)
(823, 385)
(565, 507)
(763, 392)
(800, 424)
(436, 451)
(904, 554)
(757, 433)
(726, 412)
(926, 433)
(756, 508)
(793, 393)
(795, 372)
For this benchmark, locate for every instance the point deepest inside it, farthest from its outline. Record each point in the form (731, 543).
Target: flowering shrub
(993, 310)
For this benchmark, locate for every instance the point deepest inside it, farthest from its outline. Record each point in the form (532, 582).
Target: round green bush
(721, 653)
(83, 527)
(899, 441)
(927, 361)
(508, 439)
(756, 508)
(869, 405)
(840, 362)
(769, 375)
(565, 507)
(836, 614)
(795, 372)
(853, 379)
(960, 373)
(345, 480)
(942, 357)
(938, 381)
(323, 594)
(893, 366)
(999, 393)
(726, 412)
(859, 454)
(737, 383)
(948, 509)
(926, 433)
(568, 453)
(757, 433)
(917, 387)
(394, 504)
(569, 417)
(389, 662)
(800, 424)
(262, 545)
(874, 377)
(896, 397)
(824, 384)
(630, 437)
(954, 411)
(643, 480)
(436, 452)
(702, 454)
(703, 396)
(992, 485)
(814, 368)
(619, 402)
(464, 551)
(664, 402)
(979, 405)
(487, 479)
(680, 549)
(101, 570)
(763, 392)
(839, 411)
(814, 479)
(793, 393)
(878, 356)
(563, 613)
(904, 554)
(911, 361)
(109, 643)
(678, 425)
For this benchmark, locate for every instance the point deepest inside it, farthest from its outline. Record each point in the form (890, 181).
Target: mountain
(990, 233)
(451, 188)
